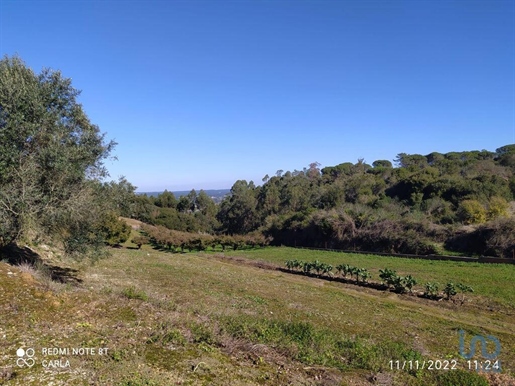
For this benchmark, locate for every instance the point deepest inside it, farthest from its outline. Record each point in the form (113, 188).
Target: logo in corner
(482, 340)
(25, 357)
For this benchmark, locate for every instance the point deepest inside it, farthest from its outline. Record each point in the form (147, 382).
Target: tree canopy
(50, 157)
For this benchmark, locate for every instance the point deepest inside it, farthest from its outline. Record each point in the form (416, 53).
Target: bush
(113, 230)
(499, 237)
(497, 207)
(471, 212)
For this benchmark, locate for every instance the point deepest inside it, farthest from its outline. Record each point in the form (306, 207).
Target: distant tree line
(53, 190)
(424, 204)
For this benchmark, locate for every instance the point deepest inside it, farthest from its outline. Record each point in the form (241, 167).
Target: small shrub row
(398, 283)
(389, 278)
(321, 269)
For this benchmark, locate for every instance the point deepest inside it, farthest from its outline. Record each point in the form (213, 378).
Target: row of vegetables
(390, 280)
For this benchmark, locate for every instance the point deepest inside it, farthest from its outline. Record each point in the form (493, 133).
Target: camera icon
(25, 357)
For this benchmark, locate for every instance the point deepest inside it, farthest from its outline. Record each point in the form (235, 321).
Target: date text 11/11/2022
(490, 363)
(446, 364)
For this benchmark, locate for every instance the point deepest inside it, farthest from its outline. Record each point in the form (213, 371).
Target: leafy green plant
(343, 269)
(410, 282)
(307, 267)
(354, 271)
(431, 290)
(293, 264)
(399, 284)
(463, 289)
(450, 290)
(327, 269)
(364, 274)
(318, 266)
(388, 276)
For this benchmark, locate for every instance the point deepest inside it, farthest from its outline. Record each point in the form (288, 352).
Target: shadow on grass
(16, 255)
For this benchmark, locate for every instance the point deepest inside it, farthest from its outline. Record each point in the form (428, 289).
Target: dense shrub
(114, 230)
(495, 238)
(471, 212)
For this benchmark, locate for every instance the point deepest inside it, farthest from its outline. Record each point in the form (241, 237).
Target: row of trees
(172, 240)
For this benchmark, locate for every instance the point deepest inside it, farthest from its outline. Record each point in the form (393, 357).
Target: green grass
(133, 293)
(491, 282)
(193, 320)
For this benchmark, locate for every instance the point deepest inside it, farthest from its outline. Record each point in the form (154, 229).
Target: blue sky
(199, 94)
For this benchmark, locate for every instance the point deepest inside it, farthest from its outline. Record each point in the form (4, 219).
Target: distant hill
(216, 194)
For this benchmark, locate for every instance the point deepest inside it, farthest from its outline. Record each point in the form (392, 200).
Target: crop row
(390, 280)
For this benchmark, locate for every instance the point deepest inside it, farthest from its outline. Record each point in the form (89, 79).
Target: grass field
(191, 319)
(493, 283)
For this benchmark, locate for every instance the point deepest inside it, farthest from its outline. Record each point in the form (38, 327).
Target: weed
(166, 333)
(202, 334)
(133, 293)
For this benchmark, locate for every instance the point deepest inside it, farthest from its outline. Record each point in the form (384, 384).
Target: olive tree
(51, 158)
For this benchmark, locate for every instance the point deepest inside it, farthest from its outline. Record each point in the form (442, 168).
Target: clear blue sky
(199, 94)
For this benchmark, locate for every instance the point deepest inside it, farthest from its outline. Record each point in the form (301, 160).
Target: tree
(314, 170)
(114, 230)
(140, 240)
(184, 204)
(166, 200)
(411, 161)
(238, 213)
(269, 199)
(192, 198)
(205, 204)
(118, 196)
(50, 157)
(382, 164)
